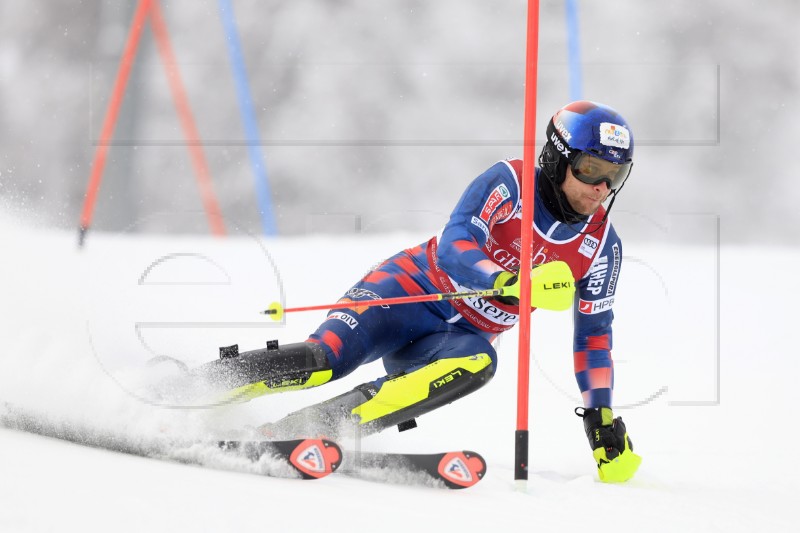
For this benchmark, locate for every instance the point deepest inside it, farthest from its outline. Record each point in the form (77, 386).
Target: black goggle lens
(592, 170)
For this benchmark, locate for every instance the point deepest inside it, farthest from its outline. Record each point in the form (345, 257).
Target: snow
(706, 408)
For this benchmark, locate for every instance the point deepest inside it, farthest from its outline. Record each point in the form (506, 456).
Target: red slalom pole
(521, 436)
(117, 94)
(187, 121)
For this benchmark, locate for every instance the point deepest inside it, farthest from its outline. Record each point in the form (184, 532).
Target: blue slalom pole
(249, 119)
(574, 51)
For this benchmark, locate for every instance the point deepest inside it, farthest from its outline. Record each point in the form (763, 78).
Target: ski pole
(276, 310)
(552, 287)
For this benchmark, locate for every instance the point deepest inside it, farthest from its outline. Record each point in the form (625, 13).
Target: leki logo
(444, 380)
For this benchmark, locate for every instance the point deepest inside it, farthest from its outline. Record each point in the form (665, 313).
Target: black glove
(506, 279)
(611, 446)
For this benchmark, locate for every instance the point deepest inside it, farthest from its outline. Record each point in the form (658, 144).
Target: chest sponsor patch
(593, 307)
(589, 246)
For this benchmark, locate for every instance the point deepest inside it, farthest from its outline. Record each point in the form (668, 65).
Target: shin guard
(273, 369)
(398, 400)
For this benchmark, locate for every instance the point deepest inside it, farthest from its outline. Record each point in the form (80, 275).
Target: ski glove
(506, 279)
(611, 446)
(552, 286)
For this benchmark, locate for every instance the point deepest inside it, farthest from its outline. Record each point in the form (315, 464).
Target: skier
(437, 352)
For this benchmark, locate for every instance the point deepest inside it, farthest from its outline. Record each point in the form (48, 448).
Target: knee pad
(398, 400)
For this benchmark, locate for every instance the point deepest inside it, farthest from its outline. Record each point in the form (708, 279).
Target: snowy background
(374, 116)
(710, 421)
(366, 103)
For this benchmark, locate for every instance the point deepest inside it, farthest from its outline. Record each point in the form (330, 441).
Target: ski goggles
(593, 170)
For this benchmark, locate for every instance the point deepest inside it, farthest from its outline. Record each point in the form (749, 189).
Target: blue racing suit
(480, 240)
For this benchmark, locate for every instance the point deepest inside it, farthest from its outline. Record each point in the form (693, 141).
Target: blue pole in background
(249, 119)
(574, 52)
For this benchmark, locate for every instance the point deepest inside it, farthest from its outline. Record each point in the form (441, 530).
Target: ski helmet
(596, 141)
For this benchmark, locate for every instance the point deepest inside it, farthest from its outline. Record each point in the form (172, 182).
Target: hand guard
(612, 448)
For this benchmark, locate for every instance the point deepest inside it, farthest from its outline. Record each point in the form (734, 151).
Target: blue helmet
(578, 133)
(592, 128)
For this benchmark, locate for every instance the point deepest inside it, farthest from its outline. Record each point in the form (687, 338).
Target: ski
(453, 470)
(311, 458)
(291, 458)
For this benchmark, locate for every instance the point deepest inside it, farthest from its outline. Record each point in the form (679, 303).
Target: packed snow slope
(705, 382)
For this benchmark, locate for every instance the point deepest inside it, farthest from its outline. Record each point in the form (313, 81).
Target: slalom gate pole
(247, 111)
(574, 48)
(528, 188)
(110, 120)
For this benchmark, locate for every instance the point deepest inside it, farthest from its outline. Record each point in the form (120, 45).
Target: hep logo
(595, 306)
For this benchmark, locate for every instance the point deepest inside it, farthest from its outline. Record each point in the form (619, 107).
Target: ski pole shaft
(276, 310)
(552, 287)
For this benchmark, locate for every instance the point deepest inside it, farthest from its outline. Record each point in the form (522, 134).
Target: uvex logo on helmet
(563, 131)
(560, 146)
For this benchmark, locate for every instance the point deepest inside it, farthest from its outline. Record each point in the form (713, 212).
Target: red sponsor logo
(499, 194)
(501, 213)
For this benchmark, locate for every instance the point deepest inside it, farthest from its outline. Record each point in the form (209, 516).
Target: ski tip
(316, 458)
(461, 470)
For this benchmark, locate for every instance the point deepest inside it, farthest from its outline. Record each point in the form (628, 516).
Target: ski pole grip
(274, 311)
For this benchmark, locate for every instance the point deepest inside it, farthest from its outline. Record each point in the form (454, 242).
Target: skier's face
(584, 198)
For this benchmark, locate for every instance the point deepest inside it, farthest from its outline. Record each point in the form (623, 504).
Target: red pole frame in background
(153, 9)
(117, 94)
(521, 436)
